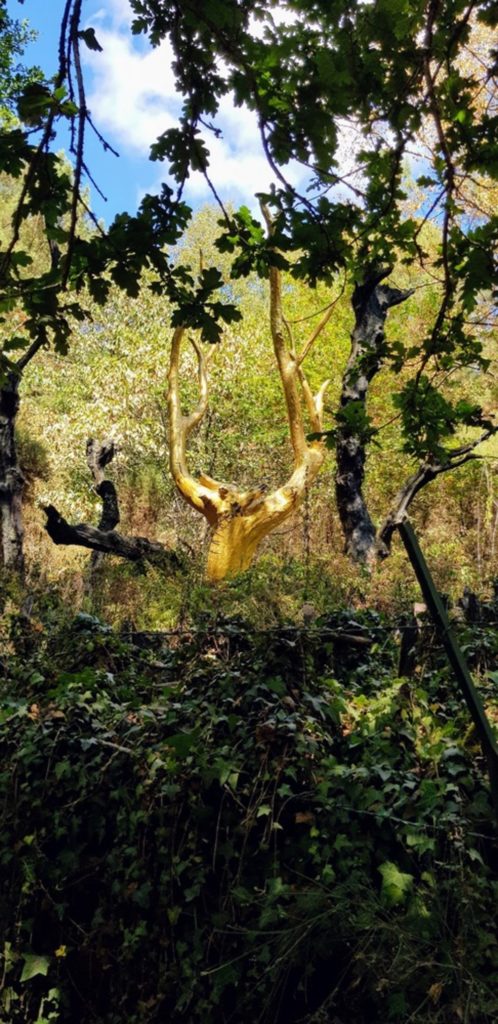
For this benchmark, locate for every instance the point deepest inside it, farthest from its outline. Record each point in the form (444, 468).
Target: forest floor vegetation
(230, 824)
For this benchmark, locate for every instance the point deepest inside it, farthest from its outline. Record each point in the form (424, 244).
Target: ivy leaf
(182, 742)
(34, 965)
(396, 884)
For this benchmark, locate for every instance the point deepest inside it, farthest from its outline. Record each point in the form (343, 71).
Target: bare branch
(318, 402)
(288, 368)
(35, 346)
(104, 539)
(134, 549)
(288, 328)
(203, 361)
(203, 498)
(318, 330)
(425, 473)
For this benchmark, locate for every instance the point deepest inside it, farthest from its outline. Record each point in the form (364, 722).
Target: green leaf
(173, 913)
(396, 884)
(182, 742)
(396, 1006)
(34, 103)
(354, 421)
(34, 965)
(420, 842)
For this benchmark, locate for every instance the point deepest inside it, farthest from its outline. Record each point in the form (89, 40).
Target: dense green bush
(227, 826)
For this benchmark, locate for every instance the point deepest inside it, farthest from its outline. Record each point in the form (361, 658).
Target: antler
(291, 365)
(288, 369)
(199, 493)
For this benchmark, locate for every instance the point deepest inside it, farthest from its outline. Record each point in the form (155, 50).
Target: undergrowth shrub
(231, 826)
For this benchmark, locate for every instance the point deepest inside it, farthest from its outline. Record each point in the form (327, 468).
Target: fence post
(455, 656)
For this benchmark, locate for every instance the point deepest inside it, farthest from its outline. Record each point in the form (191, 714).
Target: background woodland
(113, 385)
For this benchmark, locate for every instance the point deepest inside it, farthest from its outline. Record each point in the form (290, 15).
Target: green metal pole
(455, 656)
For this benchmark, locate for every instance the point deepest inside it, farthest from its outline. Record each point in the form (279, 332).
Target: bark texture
(371, 303)
(98, 456)
(11, 480)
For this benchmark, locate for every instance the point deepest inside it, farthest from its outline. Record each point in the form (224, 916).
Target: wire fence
(334, 632)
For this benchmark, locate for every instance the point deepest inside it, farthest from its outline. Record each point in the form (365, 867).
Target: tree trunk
(252, 516)
(11, 481)
(371, 303)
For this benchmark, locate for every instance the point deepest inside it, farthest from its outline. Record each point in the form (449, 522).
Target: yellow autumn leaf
(434, 992)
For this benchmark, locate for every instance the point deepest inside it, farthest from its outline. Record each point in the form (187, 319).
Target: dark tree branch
(425, 473)
(11, 480)
(33, 165)
(98, 456)
(104, 539)
(80, 141)
(110, 542)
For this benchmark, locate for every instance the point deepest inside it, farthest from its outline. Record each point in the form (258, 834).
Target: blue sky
(132, 99)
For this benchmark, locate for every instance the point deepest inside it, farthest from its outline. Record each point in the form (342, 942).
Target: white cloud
(118, 12)
(132, 99)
